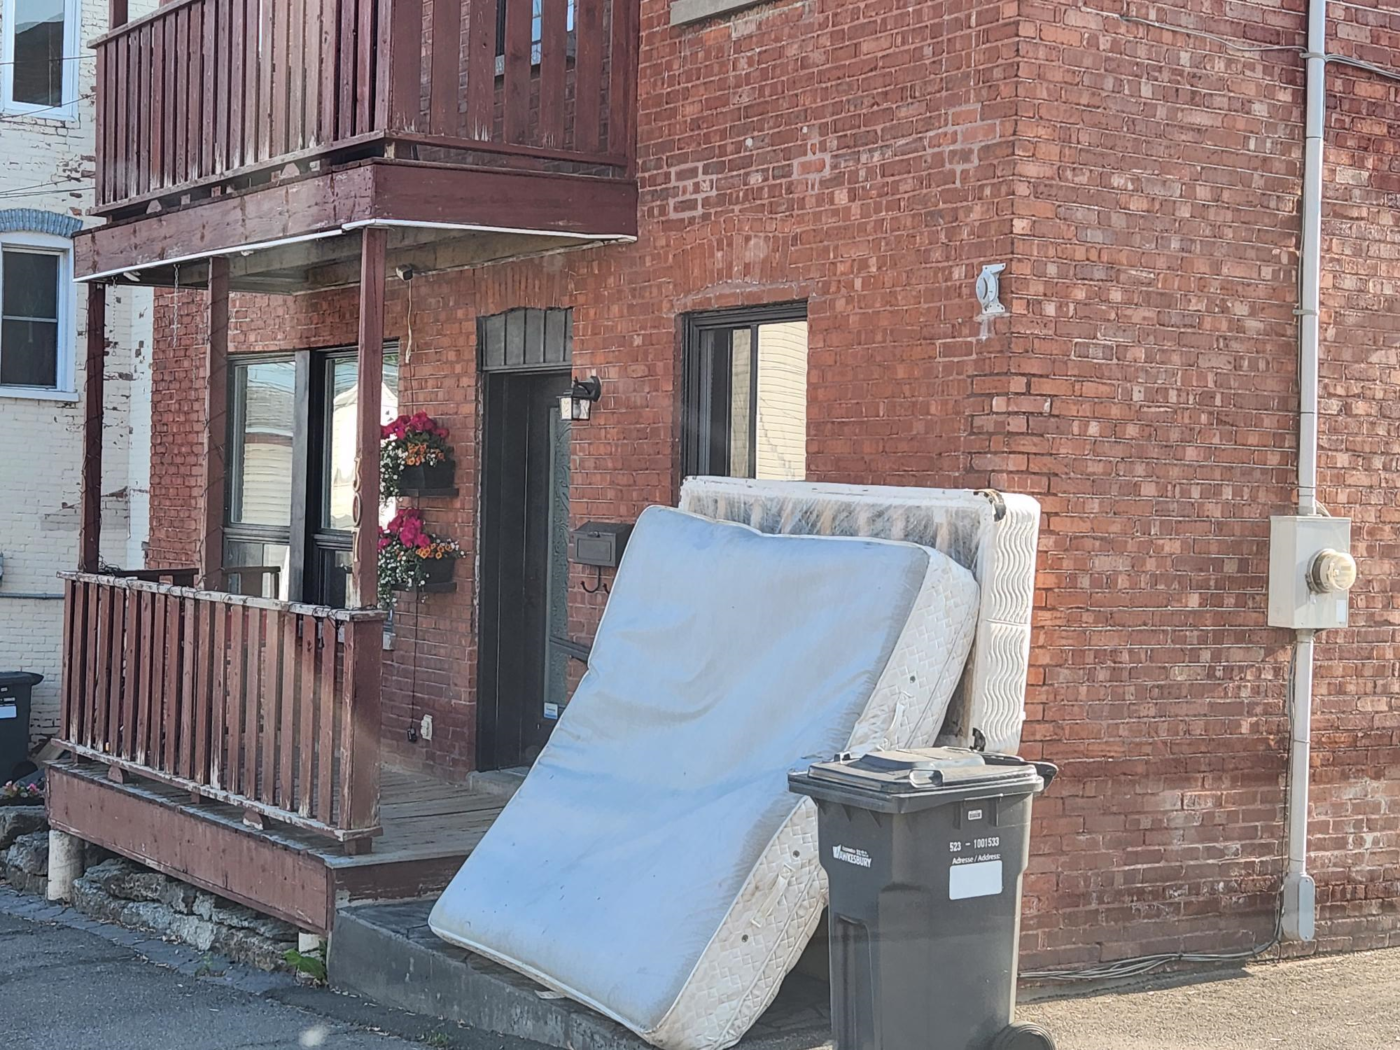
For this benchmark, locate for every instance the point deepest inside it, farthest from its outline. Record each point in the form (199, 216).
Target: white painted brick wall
(41, 441)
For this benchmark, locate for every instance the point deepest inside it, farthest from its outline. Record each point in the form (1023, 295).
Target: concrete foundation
(388, 953)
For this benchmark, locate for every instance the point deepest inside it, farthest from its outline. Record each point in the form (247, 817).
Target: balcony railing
(268, 705)
(201, 93)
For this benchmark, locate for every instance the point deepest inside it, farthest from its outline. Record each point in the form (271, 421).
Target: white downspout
(1299, 893)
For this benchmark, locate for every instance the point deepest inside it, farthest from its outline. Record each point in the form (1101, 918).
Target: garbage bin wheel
(1023, 1037)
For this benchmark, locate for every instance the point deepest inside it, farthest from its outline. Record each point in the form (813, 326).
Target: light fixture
(578, 402)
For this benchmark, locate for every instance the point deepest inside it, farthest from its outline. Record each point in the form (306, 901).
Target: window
(333, 482)
(35, 351)
(744, 412)
(39, 50)
(261, 457)
(289, 518)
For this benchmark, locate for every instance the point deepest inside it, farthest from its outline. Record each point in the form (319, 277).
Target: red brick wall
(869, 157)
(1149, 399)
(849, 154)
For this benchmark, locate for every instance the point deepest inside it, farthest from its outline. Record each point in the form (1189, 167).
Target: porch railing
(268, 705)
(201, 91)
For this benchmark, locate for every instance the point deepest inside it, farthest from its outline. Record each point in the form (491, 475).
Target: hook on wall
(598, 584)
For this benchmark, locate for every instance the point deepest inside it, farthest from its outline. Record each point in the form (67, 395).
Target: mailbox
(601, 543)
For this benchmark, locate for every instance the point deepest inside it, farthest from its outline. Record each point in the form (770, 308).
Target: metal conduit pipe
(1299, 893)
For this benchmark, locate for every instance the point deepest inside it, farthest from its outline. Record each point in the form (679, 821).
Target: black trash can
(924, 851)
(15, 688)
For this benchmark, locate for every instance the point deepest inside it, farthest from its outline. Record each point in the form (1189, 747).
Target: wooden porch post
(211, 544)
(364, 565)
(364, 655)
(90, 529)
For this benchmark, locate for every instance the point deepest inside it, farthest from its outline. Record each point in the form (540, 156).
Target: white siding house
(46, 179)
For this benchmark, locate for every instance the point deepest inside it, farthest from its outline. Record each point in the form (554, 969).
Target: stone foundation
(114, 889)
(26, 862)
(20, 820)
(121, 891)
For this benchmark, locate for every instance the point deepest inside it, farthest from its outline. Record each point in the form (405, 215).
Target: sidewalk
(1339, 1002)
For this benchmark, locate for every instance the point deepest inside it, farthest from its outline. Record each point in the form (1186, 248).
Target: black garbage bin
(924, 851)
(15, 688)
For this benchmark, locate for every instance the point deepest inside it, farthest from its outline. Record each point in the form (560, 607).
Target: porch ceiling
(293, 236)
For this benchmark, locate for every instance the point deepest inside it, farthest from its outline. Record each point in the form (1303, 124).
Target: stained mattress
(653, 864)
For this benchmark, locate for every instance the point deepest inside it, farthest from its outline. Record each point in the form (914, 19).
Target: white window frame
(68, 93)
(48, 244)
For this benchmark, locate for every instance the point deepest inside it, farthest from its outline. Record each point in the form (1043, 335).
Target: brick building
(847, 168)
(46, 128)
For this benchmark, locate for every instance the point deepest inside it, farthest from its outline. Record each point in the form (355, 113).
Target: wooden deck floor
(430, 827)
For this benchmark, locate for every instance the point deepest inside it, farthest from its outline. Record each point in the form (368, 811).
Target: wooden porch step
(429, 829)
(387, 953)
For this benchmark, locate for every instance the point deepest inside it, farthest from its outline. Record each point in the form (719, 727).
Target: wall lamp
(578, 402)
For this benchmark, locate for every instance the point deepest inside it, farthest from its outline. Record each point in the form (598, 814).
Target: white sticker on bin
(9, 710)
(982, 879)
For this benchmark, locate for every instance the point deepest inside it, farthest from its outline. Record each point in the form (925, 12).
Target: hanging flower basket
(410, 557)
(427, 476)
(414, 455)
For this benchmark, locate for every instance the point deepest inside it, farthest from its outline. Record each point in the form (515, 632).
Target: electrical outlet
(426, 728)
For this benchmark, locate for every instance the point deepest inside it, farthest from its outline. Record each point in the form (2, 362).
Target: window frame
(65, 381)
(697, 441)
(244, 532)
(67, 108)
(304, 537)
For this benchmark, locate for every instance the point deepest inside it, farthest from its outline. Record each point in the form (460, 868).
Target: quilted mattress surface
(653, 865)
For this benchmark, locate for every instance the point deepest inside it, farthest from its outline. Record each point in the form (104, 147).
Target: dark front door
(522, 674)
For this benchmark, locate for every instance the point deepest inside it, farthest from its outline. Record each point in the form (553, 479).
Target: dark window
(744, 398)
(332, 480)
(291, 449)
(38, 52)
(30, 295)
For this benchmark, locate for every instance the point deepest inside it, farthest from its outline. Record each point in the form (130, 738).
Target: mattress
(993, 534)
(653, 865)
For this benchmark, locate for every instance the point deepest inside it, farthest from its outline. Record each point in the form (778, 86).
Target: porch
(427, 829)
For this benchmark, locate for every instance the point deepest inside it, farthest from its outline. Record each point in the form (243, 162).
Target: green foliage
(312, 963)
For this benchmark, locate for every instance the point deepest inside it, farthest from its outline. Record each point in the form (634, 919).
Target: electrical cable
(1141, 965)
(60, 58)
(1241, 48)
(1370, 67)
(1223, 41)
(19, 118)
(1363, 7)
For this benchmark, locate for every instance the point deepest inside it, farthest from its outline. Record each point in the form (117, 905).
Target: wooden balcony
(260, 704)
(281, 120)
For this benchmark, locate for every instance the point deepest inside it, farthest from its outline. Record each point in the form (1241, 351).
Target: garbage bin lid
(933, 770)
(20, 678)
